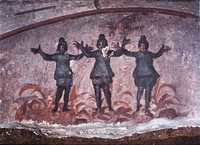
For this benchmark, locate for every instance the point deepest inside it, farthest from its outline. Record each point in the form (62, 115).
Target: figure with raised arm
(63, 73)
(144, 74)
(102, 73)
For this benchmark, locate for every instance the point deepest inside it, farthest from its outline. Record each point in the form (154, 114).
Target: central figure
(102, 73)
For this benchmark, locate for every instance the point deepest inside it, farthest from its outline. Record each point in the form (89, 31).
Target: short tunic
(102, 72)
(63, 73)
(144, 72)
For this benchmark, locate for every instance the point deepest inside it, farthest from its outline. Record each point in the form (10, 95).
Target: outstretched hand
(78, 45)
(36, 50)
(115, 45)
(125, 42)
(166, 48)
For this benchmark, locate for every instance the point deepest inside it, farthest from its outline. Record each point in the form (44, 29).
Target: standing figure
(102, 73)
(63, 73)
(144, 74)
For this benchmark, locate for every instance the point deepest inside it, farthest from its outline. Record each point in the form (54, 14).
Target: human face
(101, 45)
(142, 47)
(62, 50)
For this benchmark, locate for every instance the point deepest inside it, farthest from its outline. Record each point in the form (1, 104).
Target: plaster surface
(28, 88)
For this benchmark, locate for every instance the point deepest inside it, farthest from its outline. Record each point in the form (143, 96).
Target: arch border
(100, 11)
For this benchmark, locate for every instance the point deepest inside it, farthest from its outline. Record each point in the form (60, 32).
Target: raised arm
(85, 50)
(161, 51)
(45, 56)
(118, 52)
(121, 50)
(129, 53)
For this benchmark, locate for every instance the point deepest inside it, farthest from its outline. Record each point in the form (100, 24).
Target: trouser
(140, 91)
(107, 93)
(59, 95)
(147, 84)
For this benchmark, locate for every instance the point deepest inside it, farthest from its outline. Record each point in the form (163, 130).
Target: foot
(148, 113)
(138, 108)
(111, 109)
(65, 110)
(97, 109)
(55, 109)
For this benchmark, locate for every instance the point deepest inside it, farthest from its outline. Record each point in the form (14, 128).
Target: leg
(66, 98)
(147, 97)
(150, 82)
(139, 96)
(107, 94)
(147, 100)
(58, 97)
(97, 90)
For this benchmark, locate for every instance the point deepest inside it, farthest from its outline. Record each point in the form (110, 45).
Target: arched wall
(28, 87)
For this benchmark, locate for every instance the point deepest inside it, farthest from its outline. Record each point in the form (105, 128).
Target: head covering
(62, 42)
(102, 38)
(143, 41)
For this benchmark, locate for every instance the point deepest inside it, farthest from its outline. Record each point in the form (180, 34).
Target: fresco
(28, 88)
